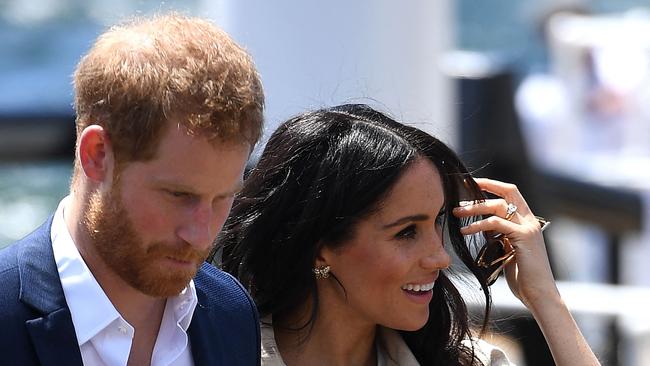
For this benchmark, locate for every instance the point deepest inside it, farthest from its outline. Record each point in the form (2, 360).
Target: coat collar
(204, 338)
(52, 331)
(40, 286)
(392, 349)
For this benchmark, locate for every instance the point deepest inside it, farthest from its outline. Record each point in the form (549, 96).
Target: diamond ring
(511, 209)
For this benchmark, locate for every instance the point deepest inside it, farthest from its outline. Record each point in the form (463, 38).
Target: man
(168, 110)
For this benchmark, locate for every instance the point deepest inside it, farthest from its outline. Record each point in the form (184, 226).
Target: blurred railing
(36, 151)
(30, 136)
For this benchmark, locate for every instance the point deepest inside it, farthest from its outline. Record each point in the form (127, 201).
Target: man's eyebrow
(405, 219)
(238, 187)
(169, 184)
(185, 188)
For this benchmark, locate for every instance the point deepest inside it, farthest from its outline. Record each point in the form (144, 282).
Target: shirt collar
(90, 308)
(183, 305)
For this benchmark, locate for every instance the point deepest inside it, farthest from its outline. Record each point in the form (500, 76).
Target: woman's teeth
(412, 287)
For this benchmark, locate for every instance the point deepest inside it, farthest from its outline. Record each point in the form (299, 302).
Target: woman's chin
(410, 325)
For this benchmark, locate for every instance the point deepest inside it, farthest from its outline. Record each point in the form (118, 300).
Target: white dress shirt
(104, 337)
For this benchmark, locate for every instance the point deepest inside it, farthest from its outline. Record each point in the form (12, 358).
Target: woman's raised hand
(528, 273)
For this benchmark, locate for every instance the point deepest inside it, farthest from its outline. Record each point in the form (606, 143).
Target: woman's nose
(436, 256)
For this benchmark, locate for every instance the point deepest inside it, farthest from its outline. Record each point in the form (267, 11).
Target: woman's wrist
(547, 305)
(562, 334)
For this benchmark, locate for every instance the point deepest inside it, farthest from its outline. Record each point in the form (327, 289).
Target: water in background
(29, 193)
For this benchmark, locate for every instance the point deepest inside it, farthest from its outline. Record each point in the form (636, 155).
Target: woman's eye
(407, 233)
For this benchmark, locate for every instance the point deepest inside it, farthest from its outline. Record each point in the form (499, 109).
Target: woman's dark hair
(320, 173)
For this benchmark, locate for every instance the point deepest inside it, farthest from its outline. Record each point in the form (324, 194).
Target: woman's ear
(95, 154)
(322, 262)
(324, 256)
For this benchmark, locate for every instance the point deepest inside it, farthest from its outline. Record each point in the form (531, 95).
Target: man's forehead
(175, 132)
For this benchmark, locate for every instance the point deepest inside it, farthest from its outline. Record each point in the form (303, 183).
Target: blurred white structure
(590, 118)
(313, 54)
(603, 64)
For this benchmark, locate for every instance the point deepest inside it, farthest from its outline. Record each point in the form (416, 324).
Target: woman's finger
(507, 191)
(497, 206)
(492, 223)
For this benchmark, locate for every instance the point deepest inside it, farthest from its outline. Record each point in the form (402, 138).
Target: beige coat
(393, 352)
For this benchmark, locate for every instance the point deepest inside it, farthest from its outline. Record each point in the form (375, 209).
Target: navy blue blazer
(36, 327)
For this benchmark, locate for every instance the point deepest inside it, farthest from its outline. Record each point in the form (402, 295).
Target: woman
(341, 235)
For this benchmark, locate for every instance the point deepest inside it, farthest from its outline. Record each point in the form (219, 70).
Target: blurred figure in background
(168, 111)
(588, 117)
(543, 99)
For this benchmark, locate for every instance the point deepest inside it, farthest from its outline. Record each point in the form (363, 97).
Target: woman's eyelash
(406, 233)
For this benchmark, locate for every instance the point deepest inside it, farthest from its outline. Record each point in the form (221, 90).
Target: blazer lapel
(204, 339)
(53, 334)
(53, 341)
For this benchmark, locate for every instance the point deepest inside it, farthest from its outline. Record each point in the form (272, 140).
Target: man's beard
(122, 249)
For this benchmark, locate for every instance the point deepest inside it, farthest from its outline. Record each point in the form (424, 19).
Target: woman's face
(390, 265)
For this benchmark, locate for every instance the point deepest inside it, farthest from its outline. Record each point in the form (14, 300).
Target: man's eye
(440, 219)
(178, 194)
(406, 233)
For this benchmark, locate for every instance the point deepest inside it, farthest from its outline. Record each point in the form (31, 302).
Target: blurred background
(552, 95)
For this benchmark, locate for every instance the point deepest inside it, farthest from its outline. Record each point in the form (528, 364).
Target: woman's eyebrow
(403, 220)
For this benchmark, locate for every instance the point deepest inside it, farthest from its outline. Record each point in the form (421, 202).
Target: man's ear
(95, 153)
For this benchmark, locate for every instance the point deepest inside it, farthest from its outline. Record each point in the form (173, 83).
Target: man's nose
(198, 228)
